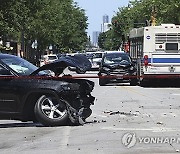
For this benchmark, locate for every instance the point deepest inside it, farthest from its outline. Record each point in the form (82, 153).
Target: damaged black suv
(117, 67)
(44, 95)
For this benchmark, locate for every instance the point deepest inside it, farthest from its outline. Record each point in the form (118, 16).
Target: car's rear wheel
(143, 83)
(133, 82)
(102, 82)
(50, 112)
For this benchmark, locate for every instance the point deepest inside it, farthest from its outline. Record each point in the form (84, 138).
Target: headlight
(70, 86)
(106, 69)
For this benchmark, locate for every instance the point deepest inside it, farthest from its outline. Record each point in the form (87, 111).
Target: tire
(50, 112)
(102, 82)
(133, 82)
(144, 83)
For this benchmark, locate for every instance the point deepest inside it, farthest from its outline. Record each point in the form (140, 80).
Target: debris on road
(160, 123)
(97, 121)
(108, 111)
(118, 112)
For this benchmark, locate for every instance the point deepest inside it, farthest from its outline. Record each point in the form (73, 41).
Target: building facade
(95, 38)
(105, 19)
(105, 26)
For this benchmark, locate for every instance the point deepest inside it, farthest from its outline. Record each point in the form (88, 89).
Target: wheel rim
(52, 109)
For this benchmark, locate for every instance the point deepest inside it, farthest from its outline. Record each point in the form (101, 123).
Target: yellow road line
(134, 91)
(130, 89)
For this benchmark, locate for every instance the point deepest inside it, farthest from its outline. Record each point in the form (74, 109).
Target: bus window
(171, 46)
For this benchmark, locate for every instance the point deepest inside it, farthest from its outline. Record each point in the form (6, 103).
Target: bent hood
(79, 61)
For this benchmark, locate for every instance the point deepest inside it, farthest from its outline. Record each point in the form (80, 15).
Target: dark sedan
(28, 93)
(117, 67)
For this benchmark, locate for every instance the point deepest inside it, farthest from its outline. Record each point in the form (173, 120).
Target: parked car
(95, 59)
(43, 94)
(46, 59)
(117, 67)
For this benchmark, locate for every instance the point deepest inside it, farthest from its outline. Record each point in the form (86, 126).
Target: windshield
(21, 66)
(117, 58)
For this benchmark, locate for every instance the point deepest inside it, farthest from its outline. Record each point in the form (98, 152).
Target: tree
(101, 40)
(138, 13)
(109, 41)
(58, 22)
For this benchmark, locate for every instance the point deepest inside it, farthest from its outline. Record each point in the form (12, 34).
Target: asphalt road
(125, 119)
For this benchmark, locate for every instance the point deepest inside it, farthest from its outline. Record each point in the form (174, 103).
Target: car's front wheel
(50, 112)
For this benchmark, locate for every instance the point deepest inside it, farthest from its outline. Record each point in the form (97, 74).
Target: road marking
(132, 90)
(176, 94)
(153, 129)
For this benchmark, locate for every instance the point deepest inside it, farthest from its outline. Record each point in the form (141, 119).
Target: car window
(4, 71)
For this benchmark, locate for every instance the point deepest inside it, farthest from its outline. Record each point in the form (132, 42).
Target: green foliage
(137, 13)
(109, 40)
(101, 40)
(58, 22)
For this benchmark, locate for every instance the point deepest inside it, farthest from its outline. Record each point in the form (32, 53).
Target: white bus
(156, 50)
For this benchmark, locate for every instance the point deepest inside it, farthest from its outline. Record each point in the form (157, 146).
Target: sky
(96, 9)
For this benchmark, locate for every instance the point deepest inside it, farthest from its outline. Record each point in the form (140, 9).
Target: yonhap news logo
(130, 140)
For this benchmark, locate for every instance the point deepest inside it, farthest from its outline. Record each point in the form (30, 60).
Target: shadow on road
(31, 124)
(116, 84)
(162, 84)
(150, 84)
(20, 124)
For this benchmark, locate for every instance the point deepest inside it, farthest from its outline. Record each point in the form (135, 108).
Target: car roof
(112, 53)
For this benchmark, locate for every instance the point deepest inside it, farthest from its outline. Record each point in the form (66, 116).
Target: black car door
(8, 92)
